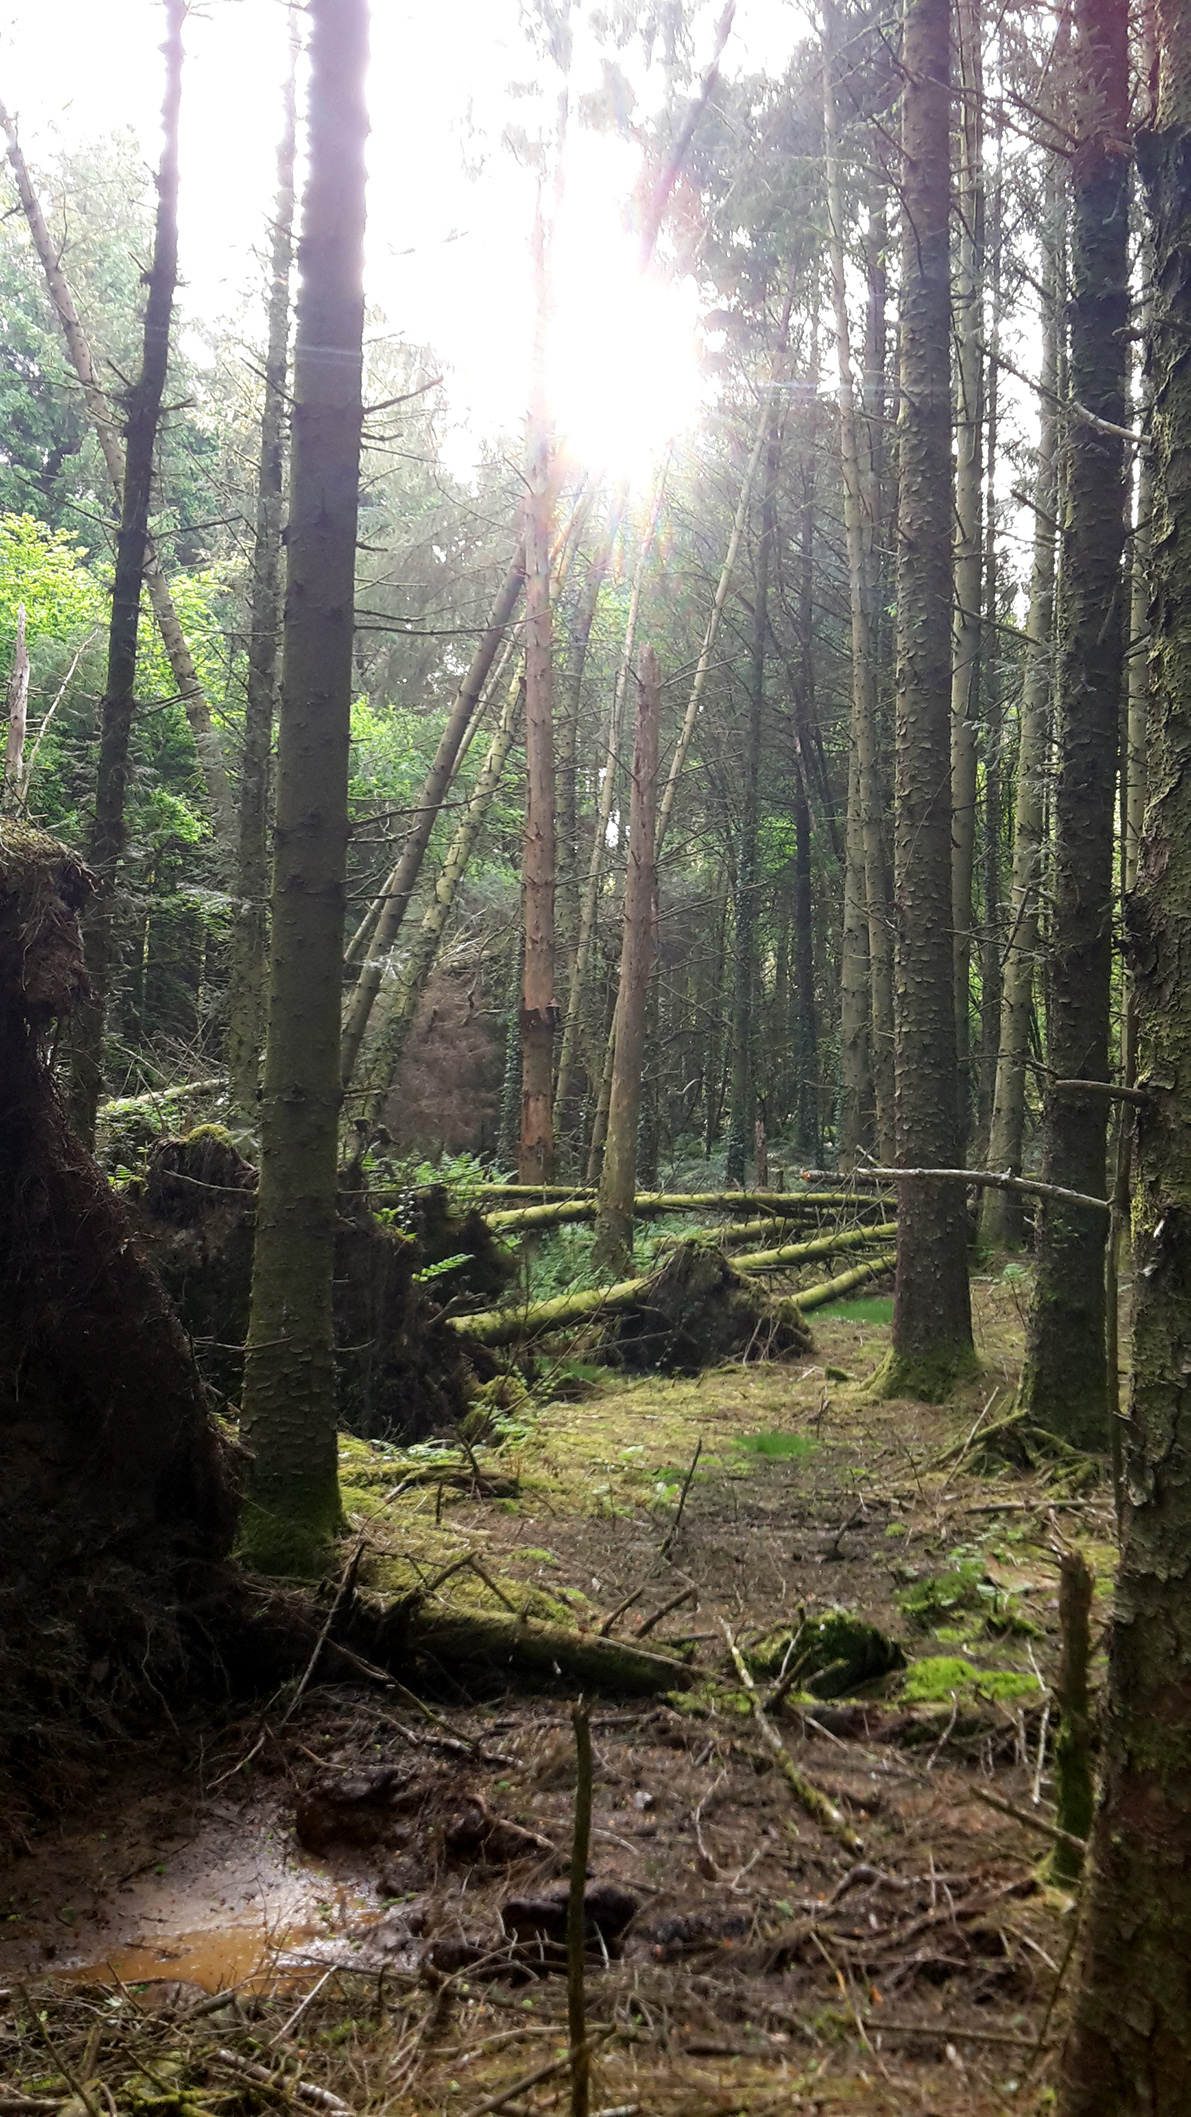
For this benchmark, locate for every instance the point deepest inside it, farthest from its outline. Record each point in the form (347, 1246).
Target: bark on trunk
(1064, 1384)
(1129, 2050)
(173, 639)
(539, 1012)
(744, 950)
(855, 1080)
(289, 1403)
(16, 714)
(249, 949)
(613, 1249)
(859, 534)
(932, 1325)
(965, 665)
(570, 688)
(107, 835)
(1001, 1211)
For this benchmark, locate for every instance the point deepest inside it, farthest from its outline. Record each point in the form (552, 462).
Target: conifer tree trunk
(806, 1026)
(613, 1251)
(932, 1326)
(1000, 1212)
(965, 666)
(859, 534)
(1064, 1384)
(108, 831)
(289, 1398)
(99, 411)
(249, 949)
(539, 1011)
(854, 1075)
(1129, 2050)
(744, 957)
(570, 690)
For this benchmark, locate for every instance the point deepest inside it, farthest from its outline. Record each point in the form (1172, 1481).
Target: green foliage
(46, 570)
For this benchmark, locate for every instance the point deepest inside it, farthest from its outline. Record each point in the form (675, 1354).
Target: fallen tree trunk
(465, 1638)
(829, 1290)
(694, 1311)
(651, 1205)
(796, 1253)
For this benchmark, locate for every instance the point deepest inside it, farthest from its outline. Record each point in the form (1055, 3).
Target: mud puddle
(219, 1897)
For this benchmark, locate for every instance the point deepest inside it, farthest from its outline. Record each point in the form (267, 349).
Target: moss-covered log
(652, 1205)
(828, 1290)
(794, 1254)
(453, 1639)
(696, 1309)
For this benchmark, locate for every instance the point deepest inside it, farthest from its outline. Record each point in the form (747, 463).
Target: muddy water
(218, 1896)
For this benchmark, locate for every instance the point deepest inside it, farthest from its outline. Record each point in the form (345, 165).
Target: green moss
(927, 1377)
(834, 1653)
(288, 1527)
(934, 1679)
(779, 1444)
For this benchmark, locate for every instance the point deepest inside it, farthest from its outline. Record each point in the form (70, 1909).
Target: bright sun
(623, 349)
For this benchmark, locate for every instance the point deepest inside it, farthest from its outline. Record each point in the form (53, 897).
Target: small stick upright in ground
(576, 1915)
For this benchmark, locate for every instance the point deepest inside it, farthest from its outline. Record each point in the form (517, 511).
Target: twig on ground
(72, 2080)
(689, 1594)
(809, 1796)
(530, 2080)
(1022, 1815)
(614, 1615)
(343, 1595)
(284, 2083)
(676, 1524)
(580, 2049)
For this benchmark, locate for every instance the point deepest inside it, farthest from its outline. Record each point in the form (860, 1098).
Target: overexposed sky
(448, 259)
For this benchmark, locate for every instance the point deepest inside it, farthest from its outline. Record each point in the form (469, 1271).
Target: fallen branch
(654, 1205)
(810, 1797)
(285, 2084)
(455, 1636)
(530, 2080)
(797, 1253)
(986, 1179)
(1032, 1822)
(813, 1297)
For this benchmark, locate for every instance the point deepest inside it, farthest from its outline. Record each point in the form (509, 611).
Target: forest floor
(768, 1965)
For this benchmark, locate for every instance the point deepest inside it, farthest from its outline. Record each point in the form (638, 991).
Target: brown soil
(768, 1967)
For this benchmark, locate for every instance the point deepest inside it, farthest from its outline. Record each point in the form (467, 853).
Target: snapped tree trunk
(932, 1324)
(1064, 1383)
(1129, 2048)
(539, 1012)
(99, 411)
(289, 1399)
(859, 534)
(249, 947)
(1001, 1211)
(108, 830)
(613, 1250)
(966, 641)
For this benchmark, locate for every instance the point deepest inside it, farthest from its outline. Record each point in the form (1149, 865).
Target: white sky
(447, 252)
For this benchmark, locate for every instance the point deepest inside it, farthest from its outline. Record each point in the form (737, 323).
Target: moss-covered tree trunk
(249, 949)
(932, 1324)
(108, 831)
(618, 1178)
(289, 1402)
(969, 437)
(1129, 2049)
(1064, 1385)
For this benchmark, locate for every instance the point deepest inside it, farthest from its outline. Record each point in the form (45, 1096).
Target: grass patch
(778, 1445)
(874, 1308)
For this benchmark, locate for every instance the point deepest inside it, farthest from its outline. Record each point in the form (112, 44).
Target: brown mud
(769, 1965)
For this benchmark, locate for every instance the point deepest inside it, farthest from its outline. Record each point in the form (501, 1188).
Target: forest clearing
(595, 1146)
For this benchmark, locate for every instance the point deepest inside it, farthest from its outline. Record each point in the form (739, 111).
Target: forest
(596, 1304)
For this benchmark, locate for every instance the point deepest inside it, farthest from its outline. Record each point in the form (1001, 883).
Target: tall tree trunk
(173, 639)
(1064, 1384)
(1000, 1212)
(613, 1251)
(539, 1012)
(965, 665)
(991, 806)
(576, 1026)
(16, 715)
(108, 830)
(806, 1028)
(570, 689)
(932, 1324)
(373, 941)
(249, 949)
(1129, 2050)
(741, 1102)
(289, 1398)
(859, 534)
(854, 1075)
